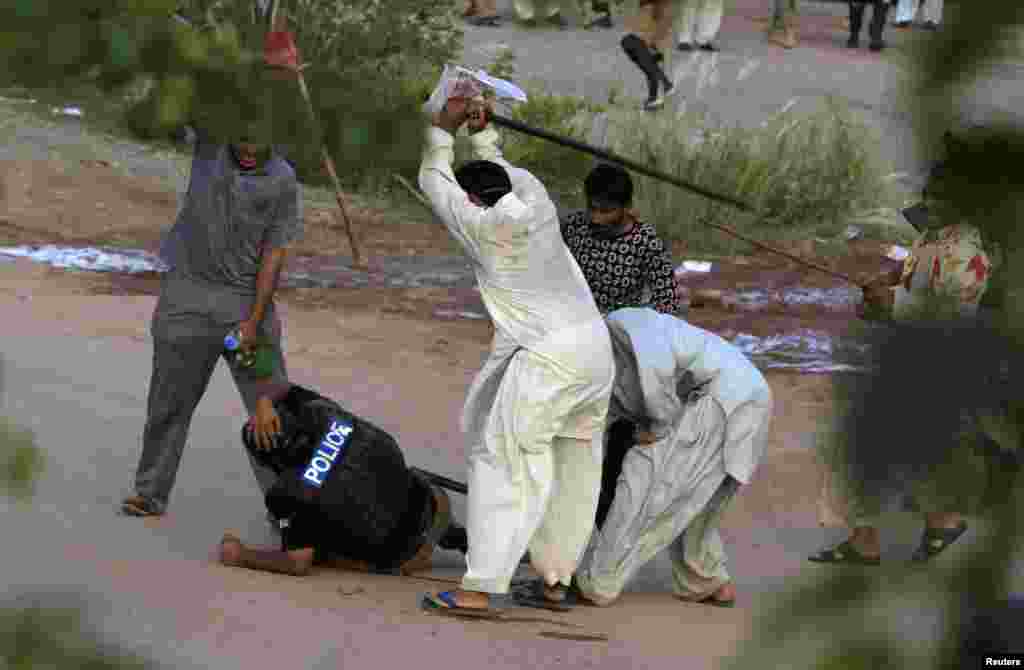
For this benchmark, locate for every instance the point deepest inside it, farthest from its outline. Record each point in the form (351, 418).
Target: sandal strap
(447, 598)
(936, 540)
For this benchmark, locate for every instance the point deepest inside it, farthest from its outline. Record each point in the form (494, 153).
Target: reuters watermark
(1002, 661)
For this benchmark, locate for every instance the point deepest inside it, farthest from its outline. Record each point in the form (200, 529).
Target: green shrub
(805, 174)
(211, 72)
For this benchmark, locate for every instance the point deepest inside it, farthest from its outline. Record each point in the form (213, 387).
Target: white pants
(698, 21)
(931, 10)
(532, 489)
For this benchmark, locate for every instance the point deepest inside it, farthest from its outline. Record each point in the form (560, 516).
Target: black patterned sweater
(618, 270)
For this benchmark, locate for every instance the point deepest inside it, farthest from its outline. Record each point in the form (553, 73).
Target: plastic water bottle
(257, 360)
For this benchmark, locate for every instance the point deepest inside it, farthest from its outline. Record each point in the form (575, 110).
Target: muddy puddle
(780, 323)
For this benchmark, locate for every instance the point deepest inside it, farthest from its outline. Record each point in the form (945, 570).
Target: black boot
(878, 24)
(856, 22)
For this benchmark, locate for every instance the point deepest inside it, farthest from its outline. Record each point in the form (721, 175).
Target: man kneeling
(702, 411)
(343, 495)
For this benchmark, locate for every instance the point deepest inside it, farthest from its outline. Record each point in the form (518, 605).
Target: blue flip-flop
(444, 603)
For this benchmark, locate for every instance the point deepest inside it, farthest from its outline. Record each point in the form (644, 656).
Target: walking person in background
(857, 9)
(782, 29)
(603, 12)
(698, 24)
(907, 11)
(555, 11)
(482, 13)
(648, 34)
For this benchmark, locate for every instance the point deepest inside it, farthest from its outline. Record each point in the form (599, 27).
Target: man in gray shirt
(225, 253)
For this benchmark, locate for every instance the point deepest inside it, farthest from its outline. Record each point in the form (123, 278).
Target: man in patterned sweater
(619, 255)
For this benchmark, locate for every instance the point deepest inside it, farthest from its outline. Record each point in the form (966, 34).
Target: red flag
(279, 50)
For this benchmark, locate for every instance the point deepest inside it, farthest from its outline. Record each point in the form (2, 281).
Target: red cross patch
(978, 265)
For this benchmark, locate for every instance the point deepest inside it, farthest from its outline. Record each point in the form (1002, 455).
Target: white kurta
(716, 432)
(545, 386)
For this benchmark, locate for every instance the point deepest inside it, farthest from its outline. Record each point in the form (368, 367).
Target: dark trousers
(878, 14)
(620, 438)
(643, 57)
(186, 349)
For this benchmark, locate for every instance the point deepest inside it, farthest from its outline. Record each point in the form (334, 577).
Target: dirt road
(77, 360)
(77, 368)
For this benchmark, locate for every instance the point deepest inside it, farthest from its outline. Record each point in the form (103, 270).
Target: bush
(805, 174)
(211, 71)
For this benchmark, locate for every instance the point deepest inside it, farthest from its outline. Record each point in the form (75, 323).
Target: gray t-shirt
(214, 249)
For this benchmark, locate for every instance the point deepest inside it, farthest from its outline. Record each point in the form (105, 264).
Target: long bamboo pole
(278, 21)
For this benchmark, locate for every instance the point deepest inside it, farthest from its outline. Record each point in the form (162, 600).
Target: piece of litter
(897, 253)
(694, 266)
(852, 233)
(350, 590)
(88, 258)
(68, 111)
(458, 314)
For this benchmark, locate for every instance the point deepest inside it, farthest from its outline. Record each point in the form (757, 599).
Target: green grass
(808, 175)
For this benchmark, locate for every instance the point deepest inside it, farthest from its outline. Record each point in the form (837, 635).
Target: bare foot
(725, 593)
(230, 550)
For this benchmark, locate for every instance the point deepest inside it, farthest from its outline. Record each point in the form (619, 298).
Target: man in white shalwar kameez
(535, 414)
(703, 412)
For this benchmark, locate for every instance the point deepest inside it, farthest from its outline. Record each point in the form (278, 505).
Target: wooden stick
(279, 21)
(793, 257)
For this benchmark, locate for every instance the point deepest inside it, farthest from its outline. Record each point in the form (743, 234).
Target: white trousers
(671, 494)
(931, 10)
(544, 502)
(532, 490)
(698, 21)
